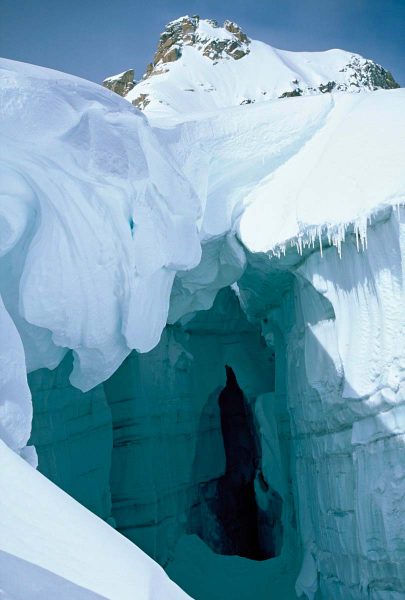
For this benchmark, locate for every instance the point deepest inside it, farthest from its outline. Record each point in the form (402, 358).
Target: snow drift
(82, 172)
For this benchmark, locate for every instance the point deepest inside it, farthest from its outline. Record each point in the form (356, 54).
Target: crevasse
(148, 259)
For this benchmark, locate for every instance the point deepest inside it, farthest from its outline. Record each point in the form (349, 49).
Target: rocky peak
(268, 74)
(213, 41)
(122, 83)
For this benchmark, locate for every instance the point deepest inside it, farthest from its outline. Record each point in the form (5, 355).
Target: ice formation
(141, 255)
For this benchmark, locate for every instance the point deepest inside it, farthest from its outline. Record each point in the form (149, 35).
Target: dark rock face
(292, 94)
(327, 87)
(141, 101)
(121, 84)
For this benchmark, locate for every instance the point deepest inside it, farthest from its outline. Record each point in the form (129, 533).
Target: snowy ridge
(200, 66)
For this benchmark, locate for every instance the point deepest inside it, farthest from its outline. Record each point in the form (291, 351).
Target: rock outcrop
(362, 74)
(207, 36)
(121, 84)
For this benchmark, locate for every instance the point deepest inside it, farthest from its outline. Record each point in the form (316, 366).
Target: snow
(196, 83)
(115, 77)
(15, 397)
(47, 529)
(80, 159)
(96, 166)
(206, 30)
(296, 170)
(344, 173)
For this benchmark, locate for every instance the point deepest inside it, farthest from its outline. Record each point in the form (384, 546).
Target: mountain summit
(200, 65)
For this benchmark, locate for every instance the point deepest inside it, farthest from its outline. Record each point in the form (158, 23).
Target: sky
(97, 38)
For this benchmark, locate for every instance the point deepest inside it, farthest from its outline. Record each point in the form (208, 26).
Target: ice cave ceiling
(208, 301)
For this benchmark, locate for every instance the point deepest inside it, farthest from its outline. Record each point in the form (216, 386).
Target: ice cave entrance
(241, 527)
(190, 441)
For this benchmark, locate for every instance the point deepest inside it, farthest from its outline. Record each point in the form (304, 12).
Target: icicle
(357, 232)
(320, 240)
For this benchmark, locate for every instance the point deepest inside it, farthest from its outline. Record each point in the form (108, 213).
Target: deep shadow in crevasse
(234, 524)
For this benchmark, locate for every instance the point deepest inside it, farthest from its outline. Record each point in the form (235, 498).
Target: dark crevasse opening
(237, 509)
(167, 447)
(240, 527)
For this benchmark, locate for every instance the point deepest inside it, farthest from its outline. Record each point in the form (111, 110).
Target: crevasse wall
(345, 387)
(329, 418)
(77, 159)
(168, 449)
(72, 434)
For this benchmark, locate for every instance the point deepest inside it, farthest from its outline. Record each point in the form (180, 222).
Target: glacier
(202, 358)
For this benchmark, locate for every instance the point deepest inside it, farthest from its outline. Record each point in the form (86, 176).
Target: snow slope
(42, 528)
(296, 172)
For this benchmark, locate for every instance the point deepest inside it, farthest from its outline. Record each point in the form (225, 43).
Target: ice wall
(345, 389)
(167, 434)
(72, 434)
(327, 409)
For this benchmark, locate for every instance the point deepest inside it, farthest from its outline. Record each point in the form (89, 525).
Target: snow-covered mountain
(199, 65)
(139, 255)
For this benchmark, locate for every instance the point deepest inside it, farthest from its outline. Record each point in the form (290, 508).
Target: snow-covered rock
(201, 66)
(122, 83)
